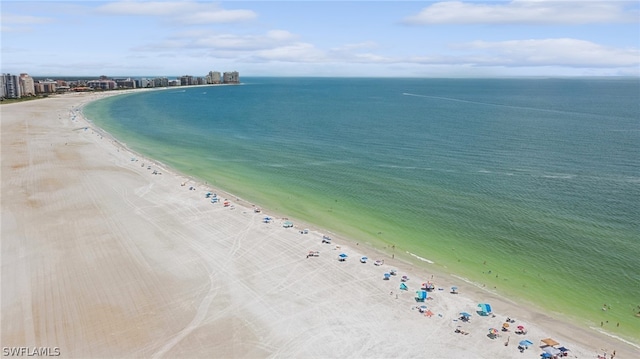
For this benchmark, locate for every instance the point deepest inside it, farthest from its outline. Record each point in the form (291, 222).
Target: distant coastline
(14, 87)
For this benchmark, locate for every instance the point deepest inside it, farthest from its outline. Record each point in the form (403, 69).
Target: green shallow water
(537, 181)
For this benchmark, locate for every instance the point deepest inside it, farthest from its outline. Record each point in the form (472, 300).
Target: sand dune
(101, 258)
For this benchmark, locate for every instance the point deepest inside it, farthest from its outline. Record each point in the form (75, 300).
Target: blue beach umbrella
(525, 343)
(485, 309)
(465, 314)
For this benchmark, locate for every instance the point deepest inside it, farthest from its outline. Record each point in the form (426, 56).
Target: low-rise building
(127, 83)
(46, 86)
(102, 84)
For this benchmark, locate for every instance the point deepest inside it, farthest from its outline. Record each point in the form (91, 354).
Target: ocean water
(531, 186)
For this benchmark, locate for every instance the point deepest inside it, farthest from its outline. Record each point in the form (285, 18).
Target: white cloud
(280, 35)
(552, 52)
(282, 46)
(360, 45)
(24, 19)
(525, 12)
(532, 53)
(297, 52)
(214, 41)
(21, 23)
(184, 12)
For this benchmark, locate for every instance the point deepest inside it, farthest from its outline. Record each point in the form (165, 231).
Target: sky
(321, 38)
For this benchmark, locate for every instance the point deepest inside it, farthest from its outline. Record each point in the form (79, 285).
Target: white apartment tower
(231, 77)
(213, 77)
(27, 87)
(10, 86)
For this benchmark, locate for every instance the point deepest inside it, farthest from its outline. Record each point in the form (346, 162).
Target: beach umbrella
(525, 343)
(465, 314)
(485, 308)
(505, 325)
(520, 327)
(550, 342)
(493, 331)
(453, 289)
(551, 350)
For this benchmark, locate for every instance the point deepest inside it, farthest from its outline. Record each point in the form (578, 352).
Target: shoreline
(580, 340)
(379, 248)
(406, 259)
(441, 235)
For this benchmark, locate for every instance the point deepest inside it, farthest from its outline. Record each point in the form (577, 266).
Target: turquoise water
(535, 180)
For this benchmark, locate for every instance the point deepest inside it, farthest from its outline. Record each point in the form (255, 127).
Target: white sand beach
(101, 258)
